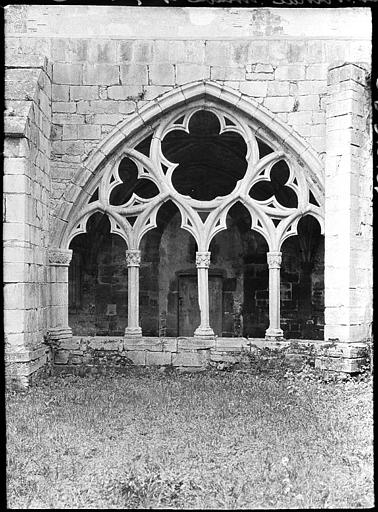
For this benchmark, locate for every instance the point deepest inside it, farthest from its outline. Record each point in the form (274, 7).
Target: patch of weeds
(153, 439)
(150, 487)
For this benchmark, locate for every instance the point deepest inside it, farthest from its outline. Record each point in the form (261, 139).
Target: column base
(59, 333)
(133, 332)
(204, 332)
(274, 334)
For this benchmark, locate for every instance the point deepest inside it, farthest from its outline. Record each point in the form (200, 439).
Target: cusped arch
(140, 123)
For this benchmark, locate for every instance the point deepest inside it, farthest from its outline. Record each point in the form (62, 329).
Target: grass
(223, 440)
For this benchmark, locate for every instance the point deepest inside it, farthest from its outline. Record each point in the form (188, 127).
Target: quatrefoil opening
(209, 162)
(128, 173)
(279, 175)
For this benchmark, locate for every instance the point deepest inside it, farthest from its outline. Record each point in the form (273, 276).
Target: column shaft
(59, 260)
(203, 263)
(133, 263)
(274, 262)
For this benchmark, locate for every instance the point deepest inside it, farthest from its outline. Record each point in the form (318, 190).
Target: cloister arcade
(196, 193)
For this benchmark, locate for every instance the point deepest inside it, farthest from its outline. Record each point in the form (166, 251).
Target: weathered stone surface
(137, 357)
(100, 74)
(61, 356)
(158, 358)
(123, 92)
(346, 350)
(67, 73)
(131, 74)
(84, 92)
(105, 343)
(190, 72)
(339, 364)
(161, 74)
(194, 343)
(254, 88)
(63, 107)
(143, 343)
(195, 359)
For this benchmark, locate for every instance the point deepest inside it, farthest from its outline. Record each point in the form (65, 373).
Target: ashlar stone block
(64, 73)
(279, 103)
(133, 74)
(190, 72)
(100, 74)
(229, 73)
(290, 72)
(125, 92)
(84, 92)
(86, 131)
(191, 359)
(137, 357)
(158, 358)
(161, 74)
(258, 89)
(60, 92)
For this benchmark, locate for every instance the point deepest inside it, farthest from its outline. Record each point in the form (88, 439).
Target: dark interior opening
(97, 281)
(209, 163)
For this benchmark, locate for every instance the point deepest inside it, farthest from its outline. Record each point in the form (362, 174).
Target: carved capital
(274, 259)
(133, 258)
(60, 257)
(203, 259)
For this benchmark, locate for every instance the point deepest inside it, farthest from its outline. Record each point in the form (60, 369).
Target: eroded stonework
(97, 131)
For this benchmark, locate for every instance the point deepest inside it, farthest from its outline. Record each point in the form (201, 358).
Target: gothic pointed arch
(278, 177)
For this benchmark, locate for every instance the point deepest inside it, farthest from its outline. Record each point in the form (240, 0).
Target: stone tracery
(272, 187)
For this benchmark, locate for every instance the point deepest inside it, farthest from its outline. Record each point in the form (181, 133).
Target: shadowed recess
(264, 149)
(264, 190)
(210, 163)
(128, 172)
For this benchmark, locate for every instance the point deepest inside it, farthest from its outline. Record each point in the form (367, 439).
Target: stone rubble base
(197, 353)
(184, 353)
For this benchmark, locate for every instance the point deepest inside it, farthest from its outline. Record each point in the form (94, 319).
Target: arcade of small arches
(222, 226)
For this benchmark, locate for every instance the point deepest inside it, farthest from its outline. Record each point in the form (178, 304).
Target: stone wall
(74, 74)
(94, 354)
(26, 216)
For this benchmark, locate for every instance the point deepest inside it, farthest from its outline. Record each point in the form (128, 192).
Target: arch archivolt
(243, 117)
